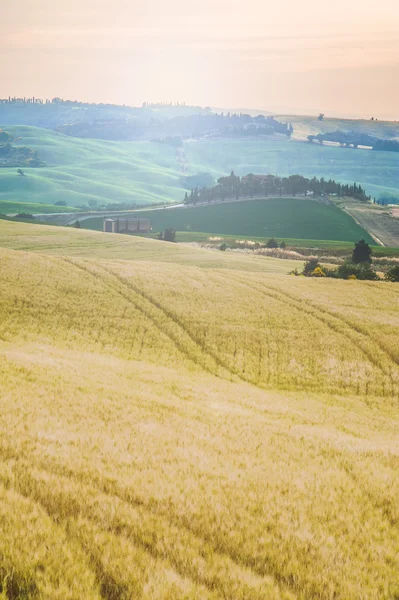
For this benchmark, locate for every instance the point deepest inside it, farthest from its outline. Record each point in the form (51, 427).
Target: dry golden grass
(193, 425)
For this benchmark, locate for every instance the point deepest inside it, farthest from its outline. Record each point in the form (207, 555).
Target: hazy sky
(339, 56)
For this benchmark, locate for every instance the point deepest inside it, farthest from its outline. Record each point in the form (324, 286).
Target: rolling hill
(307, 125)
(80, 171)
(181, 423)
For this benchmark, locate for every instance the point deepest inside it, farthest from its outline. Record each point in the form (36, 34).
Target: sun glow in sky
(340, 57)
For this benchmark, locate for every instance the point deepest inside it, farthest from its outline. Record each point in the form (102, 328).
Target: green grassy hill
(180, 423)
(277, 217)
(377, 171)
(10, 207)
(83, 170)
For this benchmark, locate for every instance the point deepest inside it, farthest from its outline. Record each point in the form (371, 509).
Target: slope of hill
(379, 220)
(80, 171)
(377, 172)
(305, 125)
(278, 217)
(7, 207)
(180, 423)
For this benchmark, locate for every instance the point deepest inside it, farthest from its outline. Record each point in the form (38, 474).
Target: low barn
(126, 225)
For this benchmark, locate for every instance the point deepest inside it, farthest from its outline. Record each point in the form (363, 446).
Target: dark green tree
(169, 235)
(361, 253)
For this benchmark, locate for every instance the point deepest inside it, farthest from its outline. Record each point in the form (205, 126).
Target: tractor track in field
(356, 335)
(208, 360)
(59, 507)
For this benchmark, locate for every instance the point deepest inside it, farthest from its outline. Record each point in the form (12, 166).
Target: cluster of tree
(122, 122)
(357, 267)
(355, 139)
(386, 145)
(171, 130)
(104, 129)
(15, 100)
(386, 198)
(17, 156)
(119, 206)
(56, 100)
(251, 185)
(230, 124)
(169, 235)
(157, 105)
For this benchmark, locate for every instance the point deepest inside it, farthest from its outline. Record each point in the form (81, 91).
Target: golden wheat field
(178, 423)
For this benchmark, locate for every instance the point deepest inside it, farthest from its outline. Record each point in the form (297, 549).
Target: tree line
(355, 139)
(358, 266)
(233, 186)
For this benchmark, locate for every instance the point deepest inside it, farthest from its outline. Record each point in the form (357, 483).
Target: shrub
(361, 271)
(283, 245)
(318, 272)
(271, 243)
(169, 235)
(223, 246)
(310, 266)
(392, 274)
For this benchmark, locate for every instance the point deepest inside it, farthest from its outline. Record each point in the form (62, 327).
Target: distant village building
(126, 225)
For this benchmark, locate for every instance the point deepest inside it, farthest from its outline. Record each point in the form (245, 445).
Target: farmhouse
(126, 225)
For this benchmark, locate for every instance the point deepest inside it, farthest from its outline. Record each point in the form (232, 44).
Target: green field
(79, 171)
(83, 170)
(378, 172)
(277, 217)
(11, 207)
(180, 423)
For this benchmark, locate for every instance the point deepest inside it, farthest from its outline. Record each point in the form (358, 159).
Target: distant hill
(308, 125)
(92, 172)
(85, 172)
